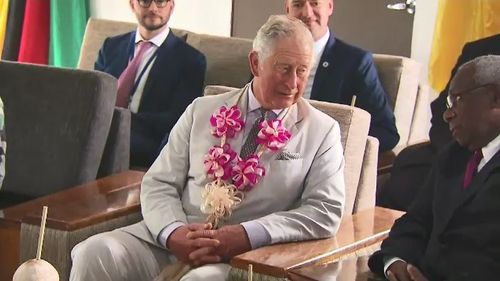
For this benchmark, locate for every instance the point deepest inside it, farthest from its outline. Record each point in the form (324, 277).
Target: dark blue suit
(344, 71)
(174, 81)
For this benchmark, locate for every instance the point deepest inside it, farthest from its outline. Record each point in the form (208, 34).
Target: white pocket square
(287, 155)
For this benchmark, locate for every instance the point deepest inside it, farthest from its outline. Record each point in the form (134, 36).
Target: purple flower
(226, 122)
(272, 134)
(217, 161)
(247, 173)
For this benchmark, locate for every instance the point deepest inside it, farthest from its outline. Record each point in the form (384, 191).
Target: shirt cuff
(388, 261)
(166, 231)
(257, 234)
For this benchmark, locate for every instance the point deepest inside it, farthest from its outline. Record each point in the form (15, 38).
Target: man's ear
(287, 6)
(253, 61)
(131, 4)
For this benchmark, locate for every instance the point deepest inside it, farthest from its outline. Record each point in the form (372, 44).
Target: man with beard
(342, 70)
(158, 76)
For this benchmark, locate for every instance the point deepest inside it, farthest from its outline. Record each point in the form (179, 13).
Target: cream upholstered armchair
(409, 99)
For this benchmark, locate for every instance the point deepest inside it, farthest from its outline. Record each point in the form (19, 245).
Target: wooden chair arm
(357, 231)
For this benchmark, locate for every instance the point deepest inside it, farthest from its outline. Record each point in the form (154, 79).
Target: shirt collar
(319, 45)
(157, 40)
(491, 149)
(254, 104)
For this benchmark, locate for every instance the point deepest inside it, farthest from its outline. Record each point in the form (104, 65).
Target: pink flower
(272, 134)
(217, 161)
(226, 122)
(246, 173)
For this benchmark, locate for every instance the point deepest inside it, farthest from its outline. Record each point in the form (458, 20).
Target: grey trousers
(120, 256)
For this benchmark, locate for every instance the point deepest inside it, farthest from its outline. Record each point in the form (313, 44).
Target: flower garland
(230, 174)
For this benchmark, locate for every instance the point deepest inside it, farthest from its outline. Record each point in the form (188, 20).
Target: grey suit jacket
(298, 199)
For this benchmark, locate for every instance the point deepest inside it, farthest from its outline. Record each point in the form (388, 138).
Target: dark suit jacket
(449, 232)
(439, 133)
(344, 71)
(413, 164)
(175, 80)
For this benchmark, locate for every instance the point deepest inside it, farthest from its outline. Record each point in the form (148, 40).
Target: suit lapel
(457, 196)
(451, 187)
(323, 72)
(478, 182)
(240, 99)
(162, 64)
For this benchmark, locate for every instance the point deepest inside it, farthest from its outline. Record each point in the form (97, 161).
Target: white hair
(486, 70)
(279, 27)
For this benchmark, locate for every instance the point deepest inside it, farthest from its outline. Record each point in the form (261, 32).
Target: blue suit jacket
(175, 80)
(344, 71)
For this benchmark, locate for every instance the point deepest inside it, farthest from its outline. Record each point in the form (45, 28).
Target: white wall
(202, 16)
(423, 30)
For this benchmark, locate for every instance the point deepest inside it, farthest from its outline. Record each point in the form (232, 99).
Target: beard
(151, 25)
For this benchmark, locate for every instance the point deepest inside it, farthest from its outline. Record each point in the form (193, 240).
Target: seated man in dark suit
(451, 230)
(413, 164)
(159, 75)
(341, 71)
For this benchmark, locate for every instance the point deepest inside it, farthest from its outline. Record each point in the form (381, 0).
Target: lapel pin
(325, 64)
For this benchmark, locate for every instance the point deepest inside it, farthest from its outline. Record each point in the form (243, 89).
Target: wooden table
(96, 201)
(354, 268)
(357, 231)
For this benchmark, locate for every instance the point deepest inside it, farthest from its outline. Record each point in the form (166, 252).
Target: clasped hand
(197, 244)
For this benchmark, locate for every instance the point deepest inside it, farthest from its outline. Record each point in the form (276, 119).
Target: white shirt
(319, 47)
(156, 43)
(488, 152)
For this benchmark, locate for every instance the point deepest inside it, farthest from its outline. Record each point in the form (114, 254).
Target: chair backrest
(400, 78)
(354, 124)
(59, 120)
(226, 56)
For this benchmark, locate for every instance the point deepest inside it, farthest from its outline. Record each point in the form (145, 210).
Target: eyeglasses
(147, 3)
(452, 100)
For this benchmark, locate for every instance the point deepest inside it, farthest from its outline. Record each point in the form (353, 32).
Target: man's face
(314, 13)
(469, 117)
(152, 17)
(280, 79)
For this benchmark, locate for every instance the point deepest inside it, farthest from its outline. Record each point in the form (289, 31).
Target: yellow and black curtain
(459, 22)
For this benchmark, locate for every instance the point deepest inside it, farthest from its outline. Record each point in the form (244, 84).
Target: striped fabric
(35, 35)
(4, 11)
(13, 30)
(67, 26)
(457, 24)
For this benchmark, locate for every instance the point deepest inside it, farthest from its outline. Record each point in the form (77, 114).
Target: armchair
(119, 205)
(59, 124)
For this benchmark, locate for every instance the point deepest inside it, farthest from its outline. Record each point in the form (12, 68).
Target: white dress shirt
(319, 47)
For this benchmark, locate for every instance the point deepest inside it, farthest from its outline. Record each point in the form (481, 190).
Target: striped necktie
(250, 144)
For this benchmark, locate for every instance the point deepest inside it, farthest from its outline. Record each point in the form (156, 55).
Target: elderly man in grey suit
(260, 164)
